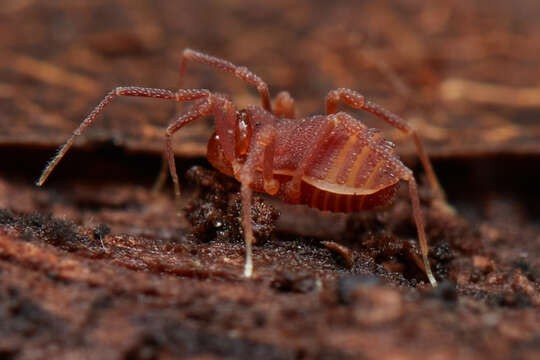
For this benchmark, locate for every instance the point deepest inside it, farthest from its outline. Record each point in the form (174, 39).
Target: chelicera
(331, 162)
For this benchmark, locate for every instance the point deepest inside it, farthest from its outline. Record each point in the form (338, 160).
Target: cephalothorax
(330, 162)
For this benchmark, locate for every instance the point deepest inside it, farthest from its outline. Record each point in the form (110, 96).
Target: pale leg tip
(432, 280)
(40, 181)
(248, 270)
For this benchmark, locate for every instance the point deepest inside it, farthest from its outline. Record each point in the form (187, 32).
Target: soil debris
(214, 211)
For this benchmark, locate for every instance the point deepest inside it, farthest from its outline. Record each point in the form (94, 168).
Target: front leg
(261, 150)
(247, 197)
(180, 96)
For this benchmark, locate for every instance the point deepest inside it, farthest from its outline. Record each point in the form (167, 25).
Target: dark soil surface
(95, 265)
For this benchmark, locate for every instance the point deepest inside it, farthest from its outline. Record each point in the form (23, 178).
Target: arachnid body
(330, 162)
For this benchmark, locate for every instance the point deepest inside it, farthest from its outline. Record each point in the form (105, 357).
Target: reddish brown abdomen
(351, 168)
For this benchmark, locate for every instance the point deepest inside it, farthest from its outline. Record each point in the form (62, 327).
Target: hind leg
(357, 101)
(419, 220)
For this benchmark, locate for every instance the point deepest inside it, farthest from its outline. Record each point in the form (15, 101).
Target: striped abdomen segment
(330, 201)
(358, 178)
(345, 166)
(353, 168)
(353, 160)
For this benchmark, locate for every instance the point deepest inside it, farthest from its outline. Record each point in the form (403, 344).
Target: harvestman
(331, 162)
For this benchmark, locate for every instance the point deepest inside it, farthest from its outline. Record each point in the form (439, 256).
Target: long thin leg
(164, 169)
(357, 101)
(265, 138)
(417, 213)
(240, 72)
(247, 194)
(196, 112)
(261, 149)
(180, 95)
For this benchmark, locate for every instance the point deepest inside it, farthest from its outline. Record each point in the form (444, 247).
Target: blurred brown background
(466, 74)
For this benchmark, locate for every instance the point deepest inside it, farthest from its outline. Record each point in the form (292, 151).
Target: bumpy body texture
(331, 162)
